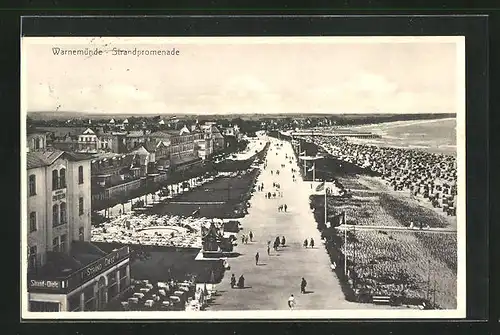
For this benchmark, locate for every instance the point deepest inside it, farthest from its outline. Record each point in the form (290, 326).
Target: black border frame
(475, 28)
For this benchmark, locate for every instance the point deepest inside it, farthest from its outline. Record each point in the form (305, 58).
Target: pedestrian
(291, 301)
(271, 172)
(312, 243)
(305, 243)
(251, 236)
(268, 250)
(274, 194)
(285, 207)
(283, 241)
(257, 258)
(233, 281)
(241, 282)
(246, 239)
(269, 195)
(242, 238)
(303, 285)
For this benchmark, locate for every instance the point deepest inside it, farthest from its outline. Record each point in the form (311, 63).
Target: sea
(437, 136)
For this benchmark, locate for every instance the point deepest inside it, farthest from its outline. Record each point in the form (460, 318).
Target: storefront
(90, 288)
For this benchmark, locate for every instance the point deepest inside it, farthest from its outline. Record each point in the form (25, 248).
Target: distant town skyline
(239, 78)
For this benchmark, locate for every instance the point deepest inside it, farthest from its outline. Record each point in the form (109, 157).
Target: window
(55, 215)
(89, 298)
(80, 206)
(32, 222)
(62, 211)
(123, 277)
(55, 179)
(80, 174)
(40, 141)
(74, 303)
(43, 306)
(62, 178)
(32, 185)
(81, 234)
(55, 244)
(112, 286)
(32, 258)
(63, 242)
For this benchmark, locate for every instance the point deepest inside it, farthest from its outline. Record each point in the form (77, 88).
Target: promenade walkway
(270, 283)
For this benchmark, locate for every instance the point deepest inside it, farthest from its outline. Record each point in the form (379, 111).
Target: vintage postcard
(243, 177)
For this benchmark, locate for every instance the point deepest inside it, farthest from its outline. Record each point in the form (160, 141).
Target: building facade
(65, 271)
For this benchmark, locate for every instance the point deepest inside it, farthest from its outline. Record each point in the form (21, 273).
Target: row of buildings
(66, 272)
(205, 139)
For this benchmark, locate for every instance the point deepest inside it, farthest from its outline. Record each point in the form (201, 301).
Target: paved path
(270, 283)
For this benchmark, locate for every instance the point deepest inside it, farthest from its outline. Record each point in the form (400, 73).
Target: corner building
(65, 271)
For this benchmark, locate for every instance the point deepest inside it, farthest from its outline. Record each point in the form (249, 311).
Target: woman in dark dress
(241, 282)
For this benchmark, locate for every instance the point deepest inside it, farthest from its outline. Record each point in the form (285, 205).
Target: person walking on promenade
(246, 239)
(271, 172)
(269, 195)
(268, 250)
(305, 243)
(274, 195)
(312, 243)
(303, 285)
(285, 207)
(291, 302)
(257, 258)
(233, 281)
(283, 241)
(241, 282)
(251, 236)
(242, 238)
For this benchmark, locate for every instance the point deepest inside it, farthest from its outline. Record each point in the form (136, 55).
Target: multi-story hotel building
(65, 271)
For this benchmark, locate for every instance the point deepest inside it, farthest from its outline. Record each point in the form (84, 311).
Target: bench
(381, 299)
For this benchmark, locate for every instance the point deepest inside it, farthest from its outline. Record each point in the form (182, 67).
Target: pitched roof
(37, 159)
(88, 131)
(163, 133)
(217, 135)
(140, 151)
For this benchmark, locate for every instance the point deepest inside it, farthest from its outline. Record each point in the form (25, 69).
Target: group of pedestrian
(277, 243)
(240, 284)
(270, 195)
(282, 208)
(309, 243)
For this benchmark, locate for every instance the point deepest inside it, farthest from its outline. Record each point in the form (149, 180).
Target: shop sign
(102, 264)
(58, 195)
(44, 284)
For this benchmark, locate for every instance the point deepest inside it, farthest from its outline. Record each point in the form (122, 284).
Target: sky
(243, 78)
